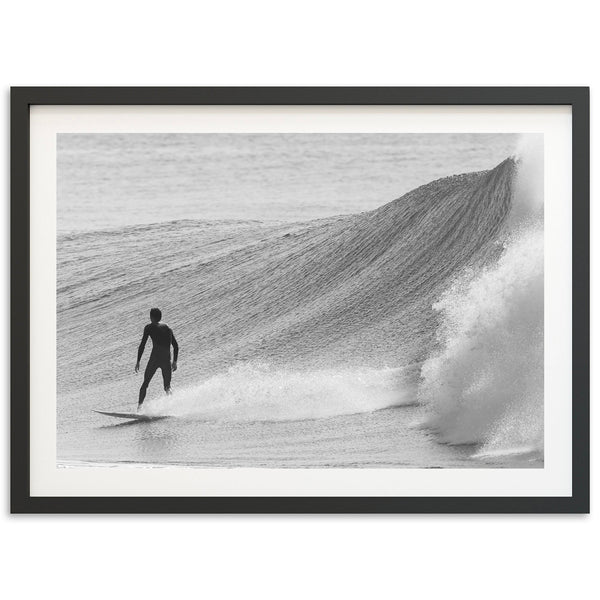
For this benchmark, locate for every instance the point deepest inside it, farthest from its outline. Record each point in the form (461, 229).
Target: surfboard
(131, 416)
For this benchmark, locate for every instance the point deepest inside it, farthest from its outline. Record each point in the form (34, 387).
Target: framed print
(300, 300)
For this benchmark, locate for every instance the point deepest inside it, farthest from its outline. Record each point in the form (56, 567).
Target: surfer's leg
(148, 375)
(143, 390)
(166, 373)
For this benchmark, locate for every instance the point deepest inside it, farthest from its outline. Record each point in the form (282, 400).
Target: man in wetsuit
(160, 358)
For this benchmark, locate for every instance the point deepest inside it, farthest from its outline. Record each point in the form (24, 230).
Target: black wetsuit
(160, 357)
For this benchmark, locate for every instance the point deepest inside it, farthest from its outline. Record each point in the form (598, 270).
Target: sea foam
(257, 392)
(484, 383)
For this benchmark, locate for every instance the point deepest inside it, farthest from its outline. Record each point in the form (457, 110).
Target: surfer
(160, 357)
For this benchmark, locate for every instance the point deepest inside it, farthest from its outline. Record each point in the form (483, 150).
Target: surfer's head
(155, 315)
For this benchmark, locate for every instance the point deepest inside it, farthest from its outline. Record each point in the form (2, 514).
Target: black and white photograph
(300, 300)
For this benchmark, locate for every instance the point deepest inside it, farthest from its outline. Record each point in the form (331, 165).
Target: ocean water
(365, 300)
(115, 180)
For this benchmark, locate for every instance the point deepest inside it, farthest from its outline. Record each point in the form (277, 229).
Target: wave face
(354, 313)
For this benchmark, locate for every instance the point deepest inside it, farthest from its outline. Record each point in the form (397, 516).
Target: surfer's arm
(141, 348)
(175, 350)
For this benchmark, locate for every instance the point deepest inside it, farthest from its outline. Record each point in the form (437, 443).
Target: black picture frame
(22, 98)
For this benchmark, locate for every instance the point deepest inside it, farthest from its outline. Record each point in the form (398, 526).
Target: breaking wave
(485, 382)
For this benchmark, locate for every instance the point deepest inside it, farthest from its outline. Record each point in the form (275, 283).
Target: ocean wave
(354, 290)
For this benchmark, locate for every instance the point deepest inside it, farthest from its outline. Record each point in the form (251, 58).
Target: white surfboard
(131, 416)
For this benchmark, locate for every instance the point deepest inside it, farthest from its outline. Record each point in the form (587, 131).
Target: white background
(307, 43)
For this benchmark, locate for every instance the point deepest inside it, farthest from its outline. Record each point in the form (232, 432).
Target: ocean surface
(340, 300)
